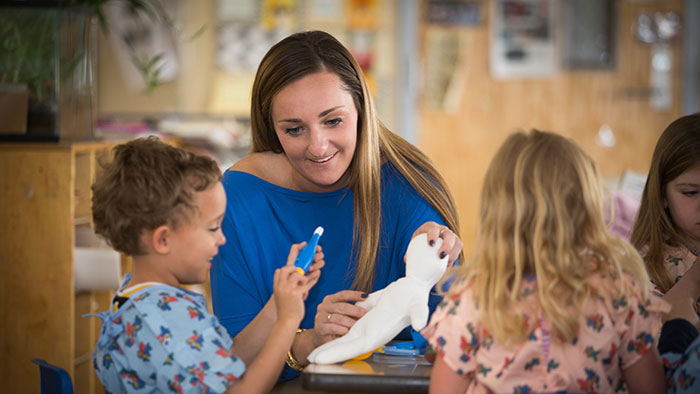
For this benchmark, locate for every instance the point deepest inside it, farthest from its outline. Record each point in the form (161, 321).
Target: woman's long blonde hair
(313, 52)
(541, 214)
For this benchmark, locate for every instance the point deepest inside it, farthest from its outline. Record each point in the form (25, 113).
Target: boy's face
(196, 242)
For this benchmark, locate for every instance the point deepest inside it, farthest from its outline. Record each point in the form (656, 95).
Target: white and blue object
(306, 255)
(402, 303)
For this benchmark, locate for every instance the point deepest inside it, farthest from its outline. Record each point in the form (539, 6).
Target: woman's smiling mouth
(324, 159)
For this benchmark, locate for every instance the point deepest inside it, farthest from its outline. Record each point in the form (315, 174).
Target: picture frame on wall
(521, 39)
(587, 34)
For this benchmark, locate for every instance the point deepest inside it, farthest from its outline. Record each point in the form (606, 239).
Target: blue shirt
(163, 340)
(679, 345)
(263, 220)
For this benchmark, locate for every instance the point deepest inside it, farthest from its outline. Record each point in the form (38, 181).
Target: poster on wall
(247, 29)
(453, 12)
(146, 51)
(521, 41)
(444, 77)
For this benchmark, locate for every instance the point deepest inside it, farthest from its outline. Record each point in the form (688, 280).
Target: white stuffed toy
(390, 310)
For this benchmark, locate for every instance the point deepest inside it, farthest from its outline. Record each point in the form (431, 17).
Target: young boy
(164, 206)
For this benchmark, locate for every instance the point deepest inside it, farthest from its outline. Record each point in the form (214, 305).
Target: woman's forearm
(304, 343)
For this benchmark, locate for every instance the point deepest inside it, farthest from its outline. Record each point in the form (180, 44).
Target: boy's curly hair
(148, 183)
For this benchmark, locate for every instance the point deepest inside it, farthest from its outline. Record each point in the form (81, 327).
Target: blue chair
(54, 380)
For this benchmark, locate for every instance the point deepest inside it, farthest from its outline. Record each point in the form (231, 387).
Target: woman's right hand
(336, 314)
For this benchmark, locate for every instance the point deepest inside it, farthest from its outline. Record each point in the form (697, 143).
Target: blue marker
(306, 255)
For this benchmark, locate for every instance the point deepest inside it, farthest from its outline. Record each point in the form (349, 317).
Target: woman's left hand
(451, 244)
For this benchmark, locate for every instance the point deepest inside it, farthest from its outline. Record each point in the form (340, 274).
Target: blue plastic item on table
(406, 348)
(419, 341)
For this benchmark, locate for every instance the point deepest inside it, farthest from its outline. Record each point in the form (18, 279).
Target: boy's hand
(291, 288)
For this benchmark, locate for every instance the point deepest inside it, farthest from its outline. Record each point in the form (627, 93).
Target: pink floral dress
(613, 335)
(678, 261)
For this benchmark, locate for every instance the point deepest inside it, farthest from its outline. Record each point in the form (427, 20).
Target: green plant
(50, 47)
(28, 41)
(148, 65)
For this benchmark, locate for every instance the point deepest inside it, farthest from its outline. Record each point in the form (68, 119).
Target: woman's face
(315, 120)
(682, 198)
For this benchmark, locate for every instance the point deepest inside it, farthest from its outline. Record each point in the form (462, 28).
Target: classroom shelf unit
(44, 195)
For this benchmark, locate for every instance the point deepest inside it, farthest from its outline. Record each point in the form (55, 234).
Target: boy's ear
(160, 239)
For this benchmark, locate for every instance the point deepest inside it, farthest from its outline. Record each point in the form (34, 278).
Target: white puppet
(390, 310)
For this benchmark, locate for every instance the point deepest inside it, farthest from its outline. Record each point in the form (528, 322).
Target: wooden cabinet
(44, 194)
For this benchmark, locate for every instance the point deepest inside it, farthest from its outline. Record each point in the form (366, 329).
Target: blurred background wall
(454, 77)
(608, 110)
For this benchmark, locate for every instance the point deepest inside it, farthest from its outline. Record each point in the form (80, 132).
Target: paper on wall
(96, 269)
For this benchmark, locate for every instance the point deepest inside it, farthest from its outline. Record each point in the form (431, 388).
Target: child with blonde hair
(164, 206)
(667, 229)
(549, 300)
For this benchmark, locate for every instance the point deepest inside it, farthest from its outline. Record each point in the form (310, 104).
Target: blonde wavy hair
(542, 215)
(313, 52)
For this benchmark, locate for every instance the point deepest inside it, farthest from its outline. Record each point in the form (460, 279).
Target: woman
(320, 157)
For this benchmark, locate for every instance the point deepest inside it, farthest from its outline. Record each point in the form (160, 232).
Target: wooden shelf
(44, 193)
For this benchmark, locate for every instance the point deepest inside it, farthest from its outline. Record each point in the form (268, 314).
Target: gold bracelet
(291, 361)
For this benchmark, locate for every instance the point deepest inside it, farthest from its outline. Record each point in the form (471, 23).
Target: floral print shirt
(683, 370)
(613, 334)
(163, 340)
(678, 261)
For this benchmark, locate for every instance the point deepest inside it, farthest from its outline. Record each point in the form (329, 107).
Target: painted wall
(462, 138)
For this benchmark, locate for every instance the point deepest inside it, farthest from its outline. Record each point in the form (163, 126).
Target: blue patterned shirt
(162, 339)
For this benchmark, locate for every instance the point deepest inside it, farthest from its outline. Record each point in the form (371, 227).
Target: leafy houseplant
(49, 48)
